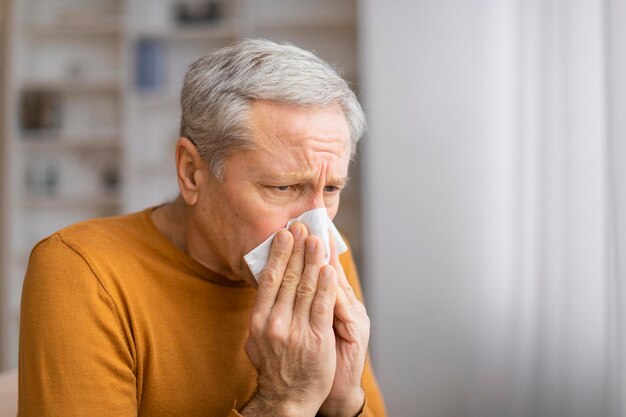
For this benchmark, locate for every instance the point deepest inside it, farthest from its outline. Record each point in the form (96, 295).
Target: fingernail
(281, 237)
(297, 231)
(311, 244)
(327, 272)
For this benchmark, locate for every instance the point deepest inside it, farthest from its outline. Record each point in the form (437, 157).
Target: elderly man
(156, 313)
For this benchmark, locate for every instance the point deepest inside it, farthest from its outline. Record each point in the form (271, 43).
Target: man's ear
(189, 170)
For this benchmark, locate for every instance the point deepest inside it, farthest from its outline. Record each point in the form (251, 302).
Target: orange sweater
(116, 321)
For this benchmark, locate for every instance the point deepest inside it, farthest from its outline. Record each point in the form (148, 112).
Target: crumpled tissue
(319, 224)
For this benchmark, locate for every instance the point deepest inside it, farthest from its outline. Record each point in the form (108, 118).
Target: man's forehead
(275, 123)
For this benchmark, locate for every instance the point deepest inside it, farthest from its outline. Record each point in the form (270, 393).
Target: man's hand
(352, 330)
(291, 342)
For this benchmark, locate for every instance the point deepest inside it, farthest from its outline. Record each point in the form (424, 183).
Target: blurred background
(488, 202)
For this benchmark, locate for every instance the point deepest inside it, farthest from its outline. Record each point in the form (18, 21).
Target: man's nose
(312, 201)
(317, 200)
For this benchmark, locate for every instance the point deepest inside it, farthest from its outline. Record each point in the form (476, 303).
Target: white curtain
(566, 309)
(495, 192)
(616, 90)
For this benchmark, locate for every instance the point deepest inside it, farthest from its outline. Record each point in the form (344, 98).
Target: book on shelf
(40, 110)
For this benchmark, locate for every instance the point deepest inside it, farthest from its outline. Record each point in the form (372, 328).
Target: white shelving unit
(105, 145)
(4, 119)
(62, 164)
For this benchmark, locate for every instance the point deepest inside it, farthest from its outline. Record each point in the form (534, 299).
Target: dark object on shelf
(40, 110)
(110, 178)
(197, 12)
(150, 65)
(42, 177)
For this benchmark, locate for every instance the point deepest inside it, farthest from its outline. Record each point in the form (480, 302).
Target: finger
(334, 256)
(324, 301)
(293, 273)
(313, 262)
(342, 298)
(272, 275)
(341, 275)
(344, 308)
(351, 332)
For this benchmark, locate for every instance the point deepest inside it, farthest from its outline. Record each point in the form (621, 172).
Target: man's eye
(331, 189)
(283, 187)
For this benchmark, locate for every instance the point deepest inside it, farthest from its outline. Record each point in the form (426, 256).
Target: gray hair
(219, 87)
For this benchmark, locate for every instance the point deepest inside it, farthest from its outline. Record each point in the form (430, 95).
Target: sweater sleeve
(75, 357)
(374, 404)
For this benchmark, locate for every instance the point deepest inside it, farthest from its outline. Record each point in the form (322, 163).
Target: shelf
(59, 29)
(74, 85)
(96, 201)
(37, 145)
(156, 99)
(66, 144)
(218, 32)
(308, 23)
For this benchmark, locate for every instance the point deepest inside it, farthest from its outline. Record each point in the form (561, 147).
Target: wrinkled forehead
(279, 125)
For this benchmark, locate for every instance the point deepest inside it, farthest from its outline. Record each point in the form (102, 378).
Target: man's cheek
(259, 234)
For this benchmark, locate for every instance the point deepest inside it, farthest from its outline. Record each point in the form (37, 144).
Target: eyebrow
(298, 178)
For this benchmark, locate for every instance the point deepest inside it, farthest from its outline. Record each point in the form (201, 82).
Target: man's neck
(171, 219)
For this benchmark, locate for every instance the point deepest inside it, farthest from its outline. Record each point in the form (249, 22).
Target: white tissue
(318, 223)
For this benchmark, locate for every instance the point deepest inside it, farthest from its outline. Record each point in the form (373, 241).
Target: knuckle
(290, 279)
(268, 277)
(256, 326)
(275, 330)
(321, 306)
(348, 289)
(281, 254)
(311, 261)
(305, 290)
(359, 309)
